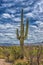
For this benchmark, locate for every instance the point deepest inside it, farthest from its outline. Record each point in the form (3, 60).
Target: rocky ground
(2, 62)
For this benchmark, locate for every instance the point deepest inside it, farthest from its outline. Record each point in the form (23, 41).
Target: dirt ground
(2, 62)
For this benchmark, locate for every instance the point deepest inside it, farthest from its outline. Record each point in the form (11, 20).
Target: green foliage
(24, 63)
(19, 63)
(7, 54)
(16, 52)
(13, 54)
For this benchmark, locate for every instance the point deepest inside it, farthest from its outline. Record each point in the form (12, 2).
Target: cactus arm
(26, 31)
(18, 37)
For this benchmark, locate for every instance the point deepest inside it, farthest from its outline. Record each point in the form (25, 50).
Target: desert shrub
(39, 53)
(25, 63)
(16, 51)
(29, 54)
(1, 52)
(6, 54)
(19, 63)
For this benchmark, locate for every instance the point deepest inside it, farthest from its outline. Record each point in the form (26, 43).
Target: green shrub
(7, 54)
(25, 63)
(19, 63)
(16, 52)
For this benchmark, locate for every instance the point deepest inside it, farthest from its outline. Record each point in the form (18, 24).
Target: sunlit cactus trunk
(23, 34)
(22, 48)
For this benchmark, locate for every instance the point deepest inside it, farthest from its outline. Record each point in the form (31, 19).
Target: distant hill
(8, 44)
(39, 43)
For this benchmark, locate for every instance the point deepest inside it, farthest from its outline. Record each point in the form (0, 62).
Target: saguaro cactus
(23, 34)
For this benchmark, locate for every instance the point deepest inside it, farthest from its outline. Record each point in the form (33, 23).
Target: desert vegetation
(33, 55)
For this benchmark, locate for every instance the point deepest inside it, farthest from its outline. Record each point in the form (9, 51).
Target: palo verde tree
(23, 34)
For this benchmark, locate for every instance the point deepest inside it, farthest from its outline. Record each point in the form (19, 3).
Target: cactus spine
(23, 34)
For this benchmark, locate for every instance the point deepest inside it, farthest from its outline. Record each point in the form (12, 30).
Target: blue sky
(10, 13)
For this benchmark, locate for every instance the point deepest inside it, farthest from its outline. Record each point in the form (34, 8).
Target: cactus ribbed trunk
(23, 34)
(22, 47)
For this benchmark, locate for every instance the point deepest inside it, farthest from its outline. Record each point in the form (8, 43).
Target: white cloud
(27, 9)
(16, 19)
(8, 31)
(29, 15)
(6, 15)
(39, 6)
(33, 26)
(5, 26)
(38, 22)
(11, 11)
(35, 34)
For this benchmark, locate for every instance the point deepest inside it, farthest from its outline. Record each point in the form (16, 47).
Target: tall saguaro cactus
(23, 34)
